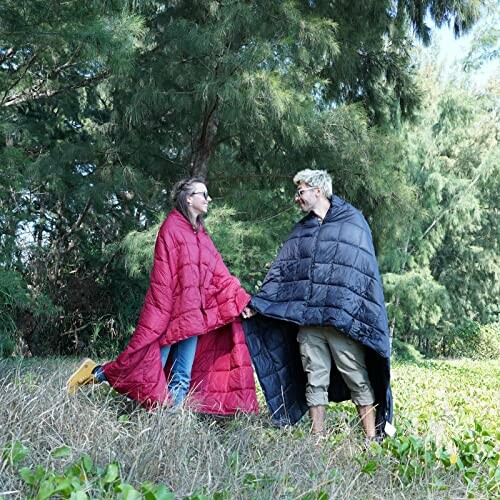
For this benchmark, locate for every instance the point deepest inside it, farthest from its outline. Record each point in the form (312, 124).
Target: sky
(452, 50)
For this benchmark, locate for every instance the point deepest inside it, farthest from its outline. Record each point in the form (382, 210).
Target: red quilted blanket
(191, 293)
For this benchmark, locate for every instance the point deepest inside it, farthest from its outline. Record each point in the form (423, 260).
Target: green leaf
(15, 452)
(87, 464)
(27, 475)
(111, 473)
(39, 472)
(47, 489)
(370, 467)
(63, 451)
(218, 495)
(78, 495)
(162, 493)
(63, 485)
(153, 492)
(129, 492)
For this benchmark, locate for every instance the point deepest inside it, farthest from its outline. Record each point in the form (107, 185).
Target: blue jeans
(182, 362)
(182, 355)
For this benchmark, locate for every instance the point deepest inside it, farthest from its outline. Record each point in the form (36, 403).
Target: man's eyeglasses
(203, 193)
(300, 192)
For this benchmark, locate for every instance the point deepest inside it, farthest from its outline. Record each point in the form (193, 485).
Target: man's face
(306, 196)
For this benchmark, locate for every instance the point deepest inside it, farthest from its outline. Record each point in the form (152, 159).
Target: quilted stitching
(324, 275)
(191, 292)
(327, 274)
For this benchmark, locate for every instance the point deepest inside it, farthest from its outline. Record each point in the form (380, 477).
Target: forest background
(105, 104)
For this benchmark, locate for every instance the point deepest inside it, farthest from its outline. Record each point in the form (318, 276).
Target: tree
(103, 107)
(52, 62)
(452, 244)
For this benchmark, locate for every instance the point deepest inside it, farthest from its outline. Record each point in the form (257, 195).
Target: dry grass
(241, 457)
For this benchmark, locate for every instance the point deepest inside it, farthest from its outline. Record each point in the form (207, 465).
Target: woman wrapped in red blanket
(189, 339)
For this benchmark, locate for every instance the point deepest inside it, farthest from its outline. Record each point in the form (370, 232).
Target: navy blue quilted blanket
(326, 274)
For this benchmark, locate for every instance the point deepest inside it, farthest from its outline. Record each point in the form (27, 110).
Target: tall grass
(192, 454)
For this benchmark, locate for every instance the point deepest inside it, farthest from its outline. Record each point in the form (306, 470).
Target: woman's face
(198, 199)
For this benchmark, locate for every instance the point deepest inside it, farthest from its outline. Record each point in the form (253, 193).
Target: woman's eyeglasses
(203, 193)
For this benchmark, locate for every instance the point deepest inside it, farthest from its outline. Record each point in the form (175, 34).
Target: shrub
(13, 295)
(488, 343)
(20, 311)
(475, 341)
(401, 351)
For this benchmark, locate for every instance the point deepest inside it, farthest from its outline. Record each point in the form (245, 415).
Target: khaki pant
(318, 345)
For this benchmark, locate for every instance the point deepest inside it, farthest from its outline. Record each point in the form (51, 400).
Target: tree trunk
(204, 144)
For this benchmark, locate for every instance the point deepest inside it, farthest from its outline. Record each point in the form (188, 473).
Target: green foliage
(104, 105)
(12, 295)
(445, 277)
(485, 46)
(19, 307)
(84, 480)
(138, 250)
(473, 340)
(246, 247)
(402, 351)
(451, 424)
(78, 43)
(418, 293)
(459, 14)
(474, 457)
(56, 197)
(14, 453)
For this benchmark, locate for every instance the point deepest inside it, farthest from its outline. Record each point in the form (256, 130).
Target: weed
(98, 444)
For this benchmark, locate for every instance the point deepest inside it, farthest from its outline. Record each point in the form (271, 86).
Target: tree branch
(9, 54)
(79, 221)
(35, 95)
(67, 64)
(450, 207)
(23, 73)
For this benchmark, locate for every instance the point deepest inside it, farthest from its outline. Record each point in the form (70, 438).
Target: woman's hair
(181, 190)
(315, 178)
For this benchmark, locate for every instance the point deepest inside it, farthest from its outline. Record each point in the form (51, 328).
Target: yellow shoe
(82, 376)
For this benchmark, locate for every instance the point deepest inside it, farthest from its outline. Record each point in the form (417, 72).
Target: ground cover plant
(99, 445)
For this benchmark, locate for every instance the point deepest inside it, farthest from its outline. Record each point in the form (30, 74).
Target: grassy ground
(99, 445)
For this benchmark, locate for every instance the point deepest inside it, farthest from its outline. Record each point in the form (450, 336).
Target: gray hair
(315, 178)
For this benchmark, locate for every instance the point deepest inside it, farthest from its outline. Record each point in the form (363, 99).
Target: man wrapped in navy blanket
(321, 333)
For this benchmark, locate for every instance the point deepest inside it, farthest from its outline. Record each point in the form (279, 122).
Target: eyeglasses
(203, 193)
(300, 192)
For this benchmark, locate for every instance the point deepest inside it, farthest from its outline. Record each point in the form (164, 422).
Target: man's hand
(248, 312)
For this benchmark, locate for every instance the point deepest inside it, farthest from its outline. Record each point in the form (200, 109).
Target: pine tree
(102, 107)
(448, 275)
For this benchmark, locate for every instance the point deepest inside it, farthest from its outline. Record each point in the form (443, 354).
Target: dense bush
(401, 351)
(22, 313)
(473, 340)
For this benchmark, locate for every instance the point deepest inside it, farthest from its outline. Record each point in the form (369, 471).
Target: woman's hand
(248, 312)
